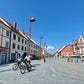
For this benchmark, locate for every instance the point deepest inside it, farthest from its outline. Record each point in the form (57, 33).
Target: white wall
(5, 38)
(18, 43)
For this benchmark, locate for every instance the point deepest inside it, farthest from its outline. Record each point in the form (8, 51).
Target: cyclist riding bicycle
(18, 60)
(28, 59)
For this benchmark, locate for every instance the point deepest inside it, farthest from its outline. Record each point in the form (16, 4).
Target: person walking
(44, 59)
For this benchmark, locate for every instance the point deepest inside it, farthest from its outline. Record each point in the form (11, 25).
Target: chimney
(26, 34)
(14, 25)
(23, 31)
(80, 36)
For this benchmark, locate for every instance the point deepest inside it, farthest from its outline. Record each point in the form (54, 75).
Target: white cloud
(50, 48)
(51, 52)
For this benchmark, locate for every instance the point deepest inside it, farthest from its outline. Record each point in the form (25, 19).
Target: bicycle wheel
(15, 67)
(22, 69)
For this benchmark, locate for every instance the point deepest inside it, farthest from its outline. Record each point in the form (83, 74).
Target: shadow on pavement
(35, 65)
(8, 64)
(30, 71)
(6, 70)
(4, 65)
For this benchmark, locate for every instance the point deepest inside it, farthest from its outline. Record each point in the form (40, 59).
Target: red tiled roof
(16, 30)
(75, 42)
(62, 48)
(7, 22)
(67, 46)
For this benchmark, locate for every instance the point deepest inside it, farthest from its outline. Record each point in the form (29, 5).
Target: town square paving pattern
(51, 72)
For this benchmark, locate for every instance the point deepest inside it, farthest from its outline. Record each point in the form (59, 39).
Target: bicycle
(25, 67)
(16, 66)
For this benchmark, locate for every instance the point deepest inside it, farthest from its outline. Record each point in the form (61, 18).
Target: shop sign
(3, 50)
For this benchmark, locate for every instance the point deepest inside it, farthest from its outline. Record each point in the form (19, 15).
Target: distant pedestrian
(59, 57)
(44, 59)
(68, 59)
(77, 60)
(50, 57)
(55, 56)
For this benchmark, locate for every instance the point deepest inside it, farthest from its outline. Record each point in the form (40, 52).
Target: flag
(41, 37)
(32, 19)
(44, 43)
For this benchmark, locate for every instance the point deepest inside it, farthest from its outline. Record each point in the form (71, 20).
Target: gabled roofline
(75, 42)
(8, 24)
(16, 30)
(66, 46)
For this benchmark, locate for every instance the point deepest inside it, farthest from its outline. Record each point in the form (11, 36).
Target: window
(25, 42)
(14, 36)
(13, 46)
(18, 39)
(31, 50)
(77, 48)
(13, 56)
(22, 40)
(31, 45)
(6, 44)
(25, 48)
(22, 48)
(80, 40)
(18, 47)
(7, 33)
(35, 46)
(81, 47)
(0, 30)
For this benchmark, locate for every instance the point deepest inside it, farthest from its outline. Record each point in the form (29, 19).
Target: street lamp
(40, 45)
(31, 20)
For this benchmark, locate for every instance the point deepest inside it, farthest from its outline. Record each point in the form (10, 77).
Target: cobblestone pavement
(42, 73)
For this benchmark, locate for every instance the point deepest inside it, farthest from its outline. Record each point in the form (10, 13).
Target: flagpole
(40, 47)
(30, 37)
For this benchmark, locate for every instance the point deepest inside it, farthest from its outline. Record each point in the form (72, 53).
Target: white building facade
(14, 43)
(34, 48)
(19, 44)
(4, 42)
(78, 46)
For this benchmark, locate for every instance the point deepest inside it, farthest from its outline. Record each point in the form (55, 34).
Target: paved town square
(54, 71)
(41, 41)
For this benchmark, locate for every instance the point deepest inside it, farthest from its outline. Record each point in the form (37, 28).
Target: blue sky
(58, 21)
